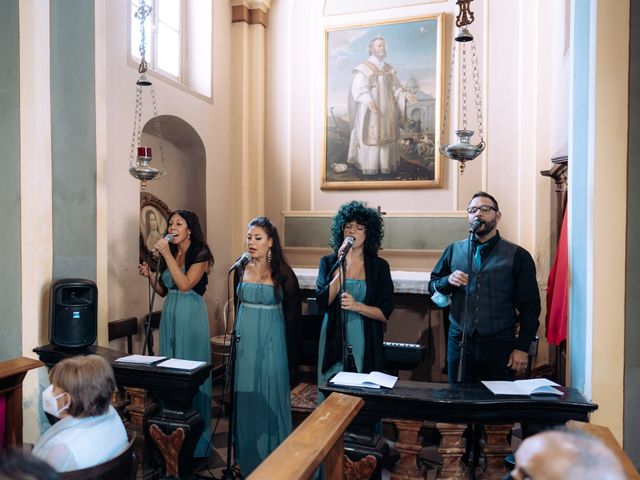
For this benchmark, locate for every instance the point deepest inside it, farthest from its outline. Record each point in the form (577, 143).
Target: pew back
(319, 439)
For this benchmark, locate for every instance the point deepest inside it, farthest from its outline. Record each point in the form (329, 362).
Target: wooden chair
(125, 327)
(122, 467)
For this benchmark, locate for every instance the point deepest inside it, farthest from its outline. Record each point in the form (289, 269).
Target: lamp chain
(477, 90)
(448, 96)
(137, 124)
(141, 14)
(156, 123)
(463, 86)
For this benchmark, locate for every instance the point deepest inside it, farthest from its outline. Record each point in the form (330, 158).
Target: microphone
(475, 226)
(168, 237)
(344, 248)
(242, 261)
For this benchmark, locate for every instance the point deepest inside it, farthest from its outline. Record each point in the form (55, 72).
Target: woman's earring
(269, 257)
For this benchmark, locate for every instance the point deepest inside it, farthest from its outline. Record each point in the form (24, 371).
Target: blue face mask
(441, 300)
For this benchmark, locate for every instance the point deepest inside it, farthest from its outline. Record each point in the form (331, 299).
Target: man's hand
(458, 278)
(518, 360)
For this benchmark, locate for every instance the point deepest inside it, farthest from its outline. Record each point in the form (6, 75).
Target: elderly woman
(90, 431)
(368, 299)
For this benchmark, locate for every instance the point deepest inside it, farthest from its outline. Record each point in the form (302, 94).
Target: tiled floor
(217, 462)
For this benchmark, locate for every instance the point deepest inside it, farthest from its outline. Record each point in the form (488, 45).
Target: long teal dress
(262, 408)
(355, 334)
(184, 333)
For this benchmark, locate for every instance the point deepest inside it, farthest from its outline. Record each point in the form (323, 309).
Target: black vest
(491, 303)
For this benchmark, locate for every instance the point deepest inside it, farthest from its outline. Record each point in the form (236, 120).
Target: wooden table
(452, 407)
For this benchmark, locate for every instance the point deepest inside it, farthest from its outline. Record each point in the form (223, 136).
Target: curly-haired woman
(368, 300)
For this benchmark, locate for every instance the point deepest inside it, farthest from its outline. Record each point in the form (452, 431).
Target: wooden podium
(452, 407)
(160, 401)
(12, 373)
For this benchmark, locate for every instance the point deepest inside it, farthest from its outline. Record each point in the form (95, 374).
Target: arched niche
(184, 185)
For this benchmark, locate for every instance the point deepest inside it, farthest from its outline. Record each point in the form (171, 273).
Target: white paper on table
(180, 364)
(140, 359)
(368, 380)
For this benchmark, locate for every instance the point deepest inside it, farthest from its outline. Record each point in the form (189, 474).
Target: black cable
(151, 295)
(231, 471)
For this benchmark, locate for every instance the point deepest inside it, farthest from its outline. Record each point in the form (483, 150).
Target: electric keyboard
(403, 356)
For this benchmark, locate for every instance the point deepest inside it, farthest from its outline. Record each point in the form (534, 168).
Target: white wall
(127, 290)
(522, 62)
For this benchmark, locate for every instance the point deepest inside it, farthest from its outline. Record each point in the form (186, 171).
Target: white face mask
(50, 402)
(440, 299)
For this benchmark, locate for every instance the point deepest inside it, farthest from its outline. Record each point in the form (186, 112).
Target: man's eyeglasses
(483, 209)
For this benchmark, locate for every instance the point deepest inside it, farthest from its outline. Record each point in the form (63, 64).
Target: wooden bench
(12, 373)
(604, 434)
(318, 440)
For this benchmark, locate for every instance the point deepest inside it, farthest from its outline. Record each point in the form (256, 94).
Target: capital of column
(250, 11)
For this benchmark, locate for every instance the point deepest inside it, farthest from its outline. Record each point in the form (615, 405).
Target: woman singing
(184, 325)
(368, 300)
(268, 303)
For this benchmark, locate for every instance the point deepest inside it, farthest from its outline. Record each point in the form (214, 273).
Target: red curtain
(558, 291)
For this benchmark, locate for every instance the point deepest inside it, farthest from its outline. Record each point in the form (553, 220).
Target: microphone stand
(231, 472)
(463, 343)
(148, 337)
(348, 362)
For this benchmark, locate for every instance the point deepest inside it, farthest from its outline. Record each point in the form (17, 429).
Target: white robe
(374, 142)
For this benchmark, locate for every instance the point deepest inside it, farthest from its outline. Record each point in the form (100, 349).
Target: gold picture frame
(154, 217)
(383, 105)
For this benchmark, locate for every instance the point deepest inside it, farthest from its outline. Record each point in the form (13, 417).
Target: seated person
(16, 465)
(560, 455)
(90, 431)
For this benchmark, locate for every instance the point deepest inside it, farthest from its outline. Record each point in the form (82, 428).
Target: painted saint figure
(376, 111)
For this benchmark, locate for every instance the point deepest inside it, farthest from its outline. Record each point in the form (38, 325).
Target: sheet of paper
(368, 380)
(180, 364)
(531, 386)
(140, 359)
(383, 379)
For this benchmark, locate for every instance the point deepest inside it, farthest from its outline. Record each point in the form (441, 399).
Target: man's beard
(486, 227)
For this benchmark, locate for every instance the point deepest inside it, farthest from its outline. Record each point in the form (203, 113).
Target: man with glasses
(503, 294)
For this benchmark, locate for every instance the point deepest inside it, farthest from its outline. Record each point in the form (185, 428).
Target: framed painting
(154, 215)
(383, 104)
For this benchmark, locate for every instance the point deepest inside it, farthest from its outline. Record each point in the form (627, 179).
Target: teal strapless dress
(355, 335)
(184, 333)
(262, 408)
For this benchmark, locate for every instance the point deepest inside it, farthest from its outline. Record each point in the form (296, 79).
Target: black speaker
(74, 313)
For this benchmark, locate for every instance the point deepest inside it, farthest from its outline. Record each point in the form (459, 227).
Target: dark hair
(17, 465)
(486, 195)
(88, 380)
(359, 212)
(278, 260)
(197, 236)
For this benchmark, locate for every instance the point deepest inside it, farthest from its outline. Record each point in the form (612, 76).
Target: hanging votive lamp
(463, 150)
(140, 156)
